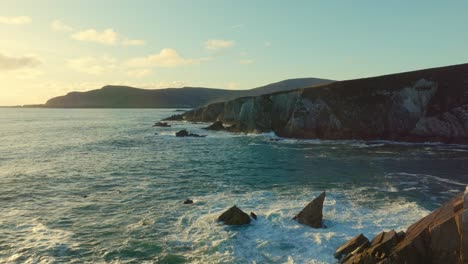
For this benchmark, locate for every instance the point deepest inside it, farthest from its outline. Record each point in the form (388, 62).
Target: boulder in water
(188, 201)
(312, 215)
(216, 126)
(234, 216)
(161, 124)
(185, 133)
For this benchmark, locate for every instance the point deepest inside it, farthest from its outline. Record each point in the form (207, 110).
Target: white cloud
(248, 61)
(59, 26)
(18, 20)
(133, 42)
(93, 65)
(8, 63)
(267, 44)
(139, 73)
(218, 44)
(27, 73)
(166, 58)
(107, 36)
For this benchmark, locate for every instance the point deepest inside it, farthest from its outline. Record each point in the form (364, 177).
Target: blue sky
(49, 48)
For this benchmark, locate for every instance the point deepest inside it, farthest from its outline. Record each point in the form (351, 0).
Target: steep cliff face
(426, 105)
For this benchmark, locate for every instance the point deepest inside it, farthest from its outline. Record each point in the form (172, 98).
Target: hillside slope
(187, 97)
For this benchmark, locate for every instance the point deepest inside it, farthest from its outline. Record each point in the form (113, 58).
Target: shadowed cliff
(425, 105)
(187, 97)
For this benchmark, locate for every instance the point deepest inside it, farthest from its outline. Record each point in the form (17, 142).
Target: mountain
(424, 105)
(187, 97)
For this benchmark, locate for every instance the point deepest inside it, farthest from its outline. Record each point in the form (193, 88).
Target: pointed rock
(253, 215)
(234, 216)
(351, 246)
(312, 215)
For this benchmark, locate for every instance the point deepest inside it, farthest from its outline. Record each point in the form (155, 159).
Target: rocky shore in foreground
(421, 106)
(439, 238)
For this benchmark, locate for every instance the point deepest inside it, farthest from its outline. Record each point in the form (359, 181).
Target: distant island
(188, 97)
(425, 105)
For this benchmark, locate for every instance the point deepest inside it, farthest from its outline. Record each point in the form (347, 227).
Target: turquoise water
(98, 186)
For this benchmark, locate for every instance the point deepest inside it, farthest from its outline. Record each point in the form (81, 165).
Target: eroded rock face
(465, 226)
(437, 238)
(234, 216)
(312, 215)
(426, 105)
(359, 241)
(216, 126)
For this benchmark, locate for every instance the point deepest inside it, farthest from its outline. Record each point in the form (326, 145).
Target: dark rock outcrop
(185, 133)
(234, 216)
(418, 106)
(435, 239)
(312, 215)
(253, 215)
(174, 118)
(216, 126)
(359, 241)
(188, 201)
(161, 124)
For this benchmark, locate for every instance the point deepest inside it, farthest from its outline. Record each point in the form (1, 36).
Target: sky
(51, 47)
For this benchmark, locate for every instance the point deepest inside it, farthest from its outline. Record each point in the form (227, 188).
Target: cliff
(187, 97)
(424, 105)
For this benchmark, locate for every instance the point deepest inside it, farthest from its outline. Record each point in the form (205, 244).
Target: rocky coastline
(421, 106)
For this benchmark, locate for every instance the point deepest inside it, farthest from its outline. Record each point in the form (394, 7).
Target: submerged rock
(436, 238)
(234, 216)
(161, 124)
(188, 201)
(253, 215)
(312, 215)
(216, 126)
(185, 133)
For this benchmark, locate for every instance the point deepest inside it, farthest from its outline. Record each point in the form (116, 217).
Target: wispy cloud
(237, 26)
(139, 73)
(133, 42)
(17, 20)
(93, 65)
(9, 63)
(59, 26)
(107, 36)
(247, 61)
(218, 44)
(267, 44)
(167, 58)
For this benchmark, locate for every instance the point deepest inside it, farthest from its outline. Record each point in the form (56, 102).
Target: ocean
(99, 186)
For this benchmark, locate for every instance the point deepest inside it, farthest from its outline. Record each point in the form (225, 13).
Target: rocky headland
(419, 106)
